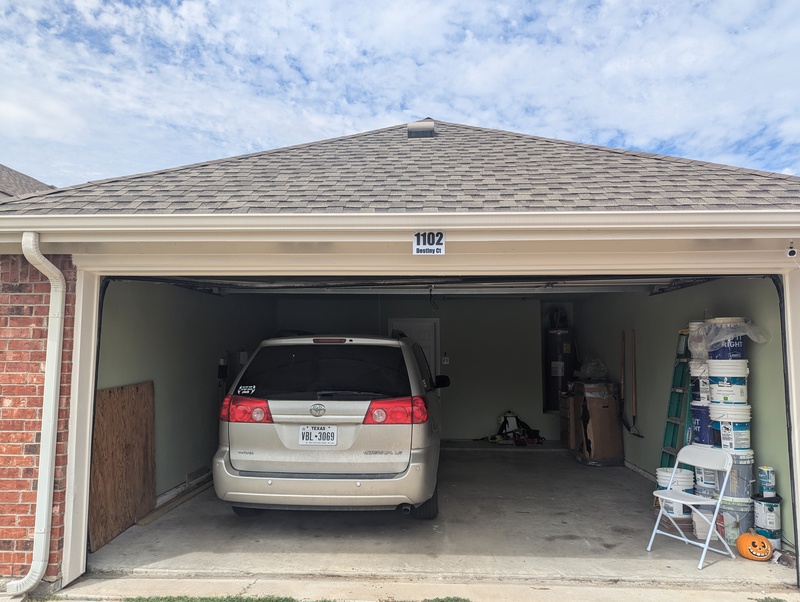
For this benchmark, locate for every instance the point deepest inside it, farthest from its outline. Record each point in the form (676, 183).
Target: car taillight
(244, 409)
(402, 410)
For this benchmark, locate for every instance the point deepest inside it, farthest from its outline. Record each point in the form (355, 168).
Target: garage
(167, 291)
(493, 334)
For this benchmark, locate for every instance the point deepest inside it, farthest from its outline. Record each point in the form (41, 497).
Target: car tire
(243, 511)
(428, 510)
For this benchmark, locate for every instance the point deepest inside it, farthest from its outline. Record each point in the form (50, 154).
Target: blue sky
(94, 89)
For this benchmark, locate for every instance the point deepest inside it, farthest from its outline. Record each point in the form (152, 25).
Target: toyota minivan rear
(334, 422)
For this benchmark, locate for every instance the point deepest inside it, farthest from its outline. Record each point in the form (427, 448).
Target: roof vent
(421, 129)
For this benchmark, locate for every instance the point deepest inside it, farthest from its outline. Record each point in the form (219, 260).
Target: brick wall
(24, 308)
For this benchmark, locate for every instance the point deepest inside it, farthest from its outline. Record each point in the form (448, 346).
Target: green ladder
(675, 430)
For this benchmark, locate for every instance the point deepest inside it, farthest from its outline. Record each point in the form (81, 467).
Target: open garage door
(179, 331)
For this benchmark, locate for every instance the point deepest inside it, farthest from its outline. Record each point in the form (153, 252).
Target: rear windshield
(326, 371)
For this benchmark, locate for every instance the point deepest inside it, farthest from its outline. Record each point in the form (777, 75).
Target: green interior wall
(657, 320)
(494, 347)
(175, 337)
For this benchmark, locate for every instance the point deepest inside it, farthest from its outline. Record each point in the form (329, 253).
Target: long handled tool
(625, 422)
(634, 429)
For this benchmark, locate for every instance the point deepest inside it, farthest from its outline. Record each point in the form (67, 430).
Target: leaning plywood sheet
(122, 486)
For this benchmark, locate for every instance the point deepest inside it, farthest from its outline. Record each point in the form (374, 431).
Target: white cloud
(96, 89)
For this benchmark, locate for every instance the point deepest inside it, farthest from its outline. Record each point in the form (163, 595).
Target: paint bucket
(727, 381)
(732, 347)
(701, 424)
(740, 483)
(698, 370)
(706, 491)
(684, 480)
(730, 426)
(767, 518)
(705, 477)
(735, 517)
(766, 481)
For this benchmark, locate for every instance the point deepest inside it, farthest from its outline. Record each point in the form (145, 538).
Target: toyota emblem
(317, 409)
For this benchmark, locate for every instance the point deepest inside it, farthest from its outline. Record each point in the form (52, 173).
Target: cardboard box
(601, 424)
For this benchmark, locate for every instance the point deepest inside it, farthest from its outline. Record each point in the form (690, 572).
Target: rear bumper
(413, 486)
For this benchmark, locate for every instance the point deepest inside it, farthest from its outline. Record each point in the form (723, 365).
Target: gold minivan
(332, 422)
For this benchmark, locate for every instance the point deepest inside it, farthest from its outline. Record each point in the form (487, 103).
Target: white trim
(79, 447)
(63, 228)
(791, 298)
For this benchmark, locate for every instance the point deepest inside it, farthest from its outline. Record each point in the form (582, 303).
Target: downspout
(47, 449)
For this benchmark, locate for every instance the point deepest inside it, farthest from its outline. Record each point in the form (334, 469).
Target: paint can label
(734, 435)
(766, 477)
(767, 516)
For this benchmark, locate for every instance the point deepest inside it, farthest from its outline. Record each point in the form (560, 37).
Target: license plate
(317, 435)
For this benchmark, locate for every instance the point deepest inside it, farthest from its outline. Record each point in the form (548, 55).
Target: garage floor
(507, 514)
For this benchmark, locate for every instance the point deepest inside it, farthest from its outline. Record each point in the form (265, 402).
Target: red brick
(16, 333)
(15, 510)
(42, 288)
(13, 533)
(22, 413)
(17, 390)
(24, 545)
(23, 366)
(19, 436)
(13, 378)
(27, 520)
(15, 485)
(29, 299)
(10, 472)
(23, 322)
(27, 344)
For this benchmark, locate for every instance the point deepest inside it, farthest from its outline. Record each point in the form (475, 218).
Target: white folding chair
(712, 458)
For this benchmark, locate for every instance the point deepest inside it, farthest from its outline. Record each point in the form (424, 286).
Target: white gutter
(47, 450)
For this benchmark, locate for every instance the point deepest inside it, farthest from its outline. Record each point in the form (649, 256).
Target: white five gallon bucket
(698, 371)
(684, 480)
(730, 426)
(732, 347)
(735, 517)
(768, 518)
(701, 424)
(740, 483)
(727, 381)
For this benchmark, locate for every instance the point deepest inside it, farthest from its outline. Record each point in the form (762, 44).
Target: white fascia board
(483, 226)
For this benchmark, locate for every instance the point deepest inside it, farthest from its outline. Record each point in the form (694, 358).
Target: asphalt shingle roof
(460, 169)
(14, 183)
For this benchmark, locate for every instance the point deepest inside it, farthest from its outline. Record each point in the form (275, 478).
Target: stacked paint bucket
(729, 415)
(721, 418)
(767, 507)
(701, 394)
